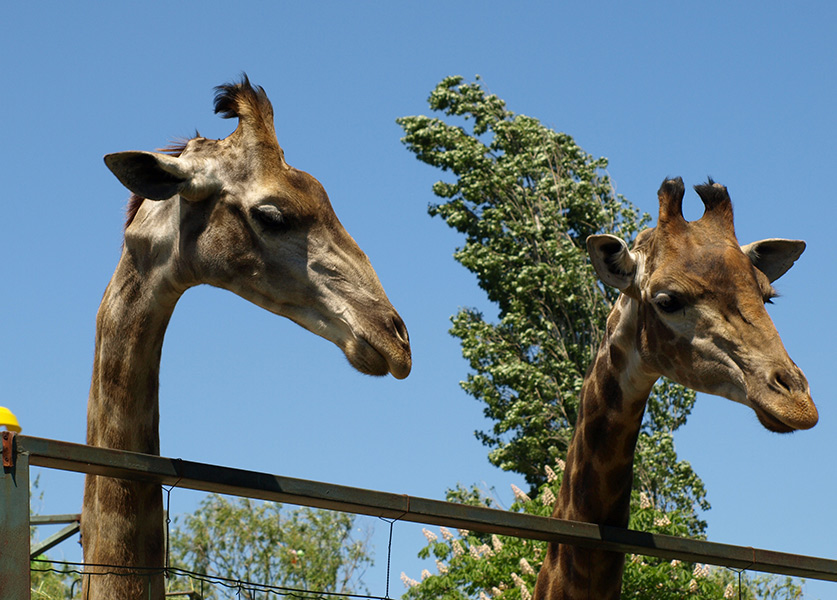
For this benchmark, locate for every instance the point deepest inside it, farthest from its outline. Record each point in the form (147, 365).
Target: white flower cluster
(700, 571)
(526, 567)
(550, 474)
(431, 537)
(519, 494)
(496, 543)
(441, 566)
(663, 521)
(693, 586)
(560, 464)
(408, 583)
(645, 500)
(458, 550)
(446, 534)
(548, 497)
(729, 592)
(525, 594)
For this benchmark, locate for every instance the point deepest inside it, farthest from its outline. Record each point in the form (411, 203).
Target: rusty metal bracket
(8, 448)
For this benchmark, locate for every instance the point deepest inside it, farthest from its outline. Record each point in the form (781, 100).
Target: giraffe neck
(123, 414)
(599, 470)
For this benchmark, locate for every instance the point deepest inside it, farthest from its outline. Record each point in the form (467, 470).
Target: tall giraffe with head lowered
(691, 309)
(233, 214)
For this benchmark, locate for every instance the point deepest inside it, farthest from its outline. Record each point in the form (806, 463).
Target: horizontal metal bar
(53, 540)
(238, 482)
(53, 519)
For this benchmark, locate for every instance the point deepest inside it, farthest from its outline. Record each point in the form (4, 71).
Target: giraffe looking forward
(233, 214)
(691, 309)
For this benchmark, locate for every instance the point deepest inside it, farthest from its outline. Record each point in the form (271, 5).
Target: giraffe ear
(775, 256)
(613, 260)
(159, 176)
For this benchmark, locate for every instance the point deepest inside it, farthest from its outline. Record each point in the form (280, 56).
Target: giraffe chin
(772, 423)
(367, 359)
(804, 417)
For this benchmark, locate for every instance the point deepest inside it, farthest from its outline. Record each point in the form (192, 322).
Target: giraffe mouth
(379, 359)
(771, 423)
(793, 412)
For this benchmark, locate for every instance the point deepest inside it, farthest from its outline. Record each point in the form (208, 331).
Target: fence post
(14, 521)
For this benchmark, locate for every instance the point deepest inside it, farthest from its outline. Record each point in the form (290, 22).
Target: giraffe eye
(269, 217)
(668, 303)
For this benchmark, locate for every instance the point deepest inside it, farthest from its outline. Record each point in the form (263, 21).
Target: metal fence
(20, 452)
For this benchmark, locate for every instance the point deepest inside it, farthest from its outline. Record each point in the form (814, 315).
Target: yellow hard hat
(9, 420)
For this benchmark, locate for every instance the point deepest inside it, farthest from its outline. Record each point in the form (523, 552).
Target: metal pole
(54, 519)
(14, 521)
(238, 482)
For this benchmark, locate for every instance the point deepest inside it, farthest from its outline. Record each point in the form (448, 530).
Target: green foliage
(261, 542)
(47, 581)
(526, 198)
(477, 566)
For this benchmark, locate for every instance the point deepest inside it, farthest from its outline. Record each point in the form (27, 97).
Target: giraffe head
(233, 214)
(700, 298)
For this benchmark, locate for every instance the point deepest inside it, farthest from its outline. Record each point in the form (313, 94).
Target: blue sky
(744, 92)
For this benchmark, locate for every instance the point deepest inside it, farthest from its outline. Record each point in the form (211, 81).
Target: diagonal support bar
(53, 540)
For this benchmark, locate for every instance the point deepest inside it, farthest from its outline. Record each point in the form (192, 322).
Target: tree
(260, 542)
(526, 198)
(479, 566)
(47, 580)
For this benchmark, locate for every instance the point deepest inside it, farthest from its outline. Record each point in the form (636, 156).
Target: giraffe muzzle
(786, 405)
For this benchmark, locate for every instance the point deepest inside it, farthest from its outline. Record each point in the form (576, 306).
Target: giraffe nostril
(400, 330)
(781, 380)
(788, 381)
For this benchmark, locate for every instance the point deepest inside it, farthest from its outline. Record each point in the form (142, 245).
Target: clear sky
(744, 92)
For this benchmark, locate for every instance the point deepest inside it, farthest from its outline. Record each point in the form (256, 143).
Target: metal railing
(20, 452)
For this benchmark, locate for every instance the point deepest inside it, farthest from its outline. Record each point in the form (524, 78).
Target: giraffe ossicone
(692, 309)
(233, 214)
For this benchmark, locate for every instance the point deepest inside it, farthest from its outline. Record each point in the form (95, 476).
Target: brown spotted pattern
(230, 213)
(691, 309)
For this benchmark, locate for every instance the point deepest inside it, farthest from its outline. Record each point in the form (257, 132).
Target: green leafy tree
(260, 542)
(526, 197)
(47, 580)
(472, 565)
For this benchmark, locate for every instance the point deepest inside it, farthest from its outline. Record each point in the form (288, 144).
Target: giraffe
(692, 309)
(233, 214)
